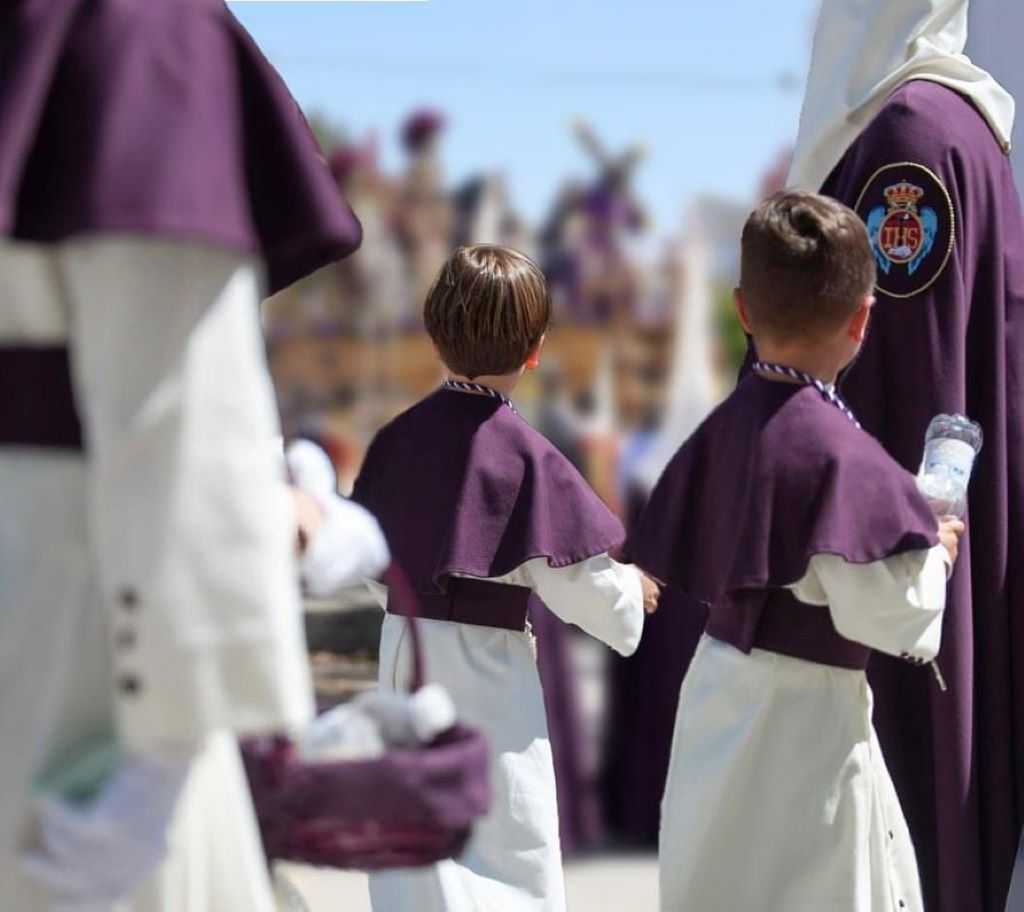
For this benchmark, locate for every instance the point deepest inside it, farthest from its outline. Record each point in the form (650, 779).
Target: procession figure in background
(154, 172)
(485, 215)
(558, 240)
(373, 287)
(426, 216)
(374, 295)
(900, 125)
(587, 236)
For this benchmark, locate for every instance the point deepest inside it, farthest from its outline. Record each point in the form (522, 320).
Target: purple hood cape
(461, 484)
(159, 117)
(774, 476)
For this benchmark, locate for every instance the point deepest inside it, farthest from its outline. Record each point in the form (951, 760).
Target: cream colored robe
(163, 553)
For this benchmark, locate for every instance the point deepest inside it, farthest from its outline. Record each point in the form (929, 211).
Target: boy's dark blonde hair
(487, 310)
(807, 264)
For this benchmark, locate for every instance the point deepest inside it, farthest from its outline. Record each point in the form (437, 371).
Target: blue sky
(712, 88)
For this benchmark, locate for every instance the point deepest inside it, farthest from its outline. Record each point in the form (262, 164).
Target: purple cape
(159, 117)
(461, 484)
(948, 336)
(774, 476)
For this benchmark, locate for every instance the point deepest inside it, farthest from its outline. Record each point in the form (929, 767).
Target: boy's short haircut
(807, 264)
(487, 310)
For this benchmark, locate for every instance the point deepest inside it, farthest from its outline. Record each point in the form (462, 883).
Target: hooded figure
(156, 178)
(901, 126)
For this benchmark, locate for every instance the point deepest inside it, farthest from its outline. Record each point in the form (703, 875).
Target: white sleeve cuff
(894, 605)
(599, 595)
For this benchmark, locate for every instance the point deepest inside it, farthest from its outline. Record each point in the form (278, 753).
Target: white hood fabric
(866, 49)
(692, 387)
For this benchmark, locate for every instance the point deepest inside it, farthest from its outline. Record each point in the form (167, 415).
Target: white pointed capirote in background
(863, 51)
(601, 421)
(481, 204)
(692, 390)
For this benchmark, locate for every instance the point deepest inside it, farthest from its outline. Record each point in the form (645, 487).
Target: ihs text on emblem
(904, 233)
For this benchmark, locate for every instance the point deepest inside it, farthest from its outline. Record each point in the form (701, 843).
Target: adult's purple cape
(935, 188)
(159, 117)
(775, 475)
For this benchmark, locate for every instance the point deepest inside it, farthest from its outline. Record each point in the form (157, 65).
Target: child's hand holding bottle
(950, 530)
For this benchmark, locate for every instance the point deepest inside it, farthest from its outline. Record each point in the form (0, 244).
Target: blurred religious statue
(587, 237)
(426, 216)
(376, 298)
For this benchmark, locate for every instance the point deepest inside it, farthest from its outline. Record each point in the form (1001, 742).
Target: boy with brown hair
(485, 516)
(810, 547)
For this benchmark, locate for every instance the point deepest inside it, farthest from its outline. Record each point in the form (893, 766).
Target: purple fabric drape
(949, 337)
(159, 118)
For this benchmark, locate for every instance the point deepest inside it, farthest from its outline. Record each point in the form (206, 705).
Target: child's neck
(500, 383)
(821, 363)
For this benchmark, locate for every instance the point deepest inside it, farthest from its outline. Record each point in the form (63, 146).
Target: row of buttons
(126, 638)
(892, 836)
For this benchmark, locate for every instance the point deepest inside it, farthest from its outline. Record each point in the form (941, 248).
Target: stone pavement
(603, 883)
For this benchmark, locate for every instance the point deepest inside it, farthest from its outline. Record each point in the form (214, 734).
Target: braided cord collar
(827, 390)
(464, 386)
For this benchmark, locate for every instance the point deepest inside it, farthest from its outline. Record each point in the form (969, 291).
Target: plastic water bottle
(950, 448)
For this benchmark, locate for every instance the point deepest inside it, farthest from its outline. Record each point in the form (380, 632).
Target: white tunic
(179, 502)
(513, 862)
(778, 798)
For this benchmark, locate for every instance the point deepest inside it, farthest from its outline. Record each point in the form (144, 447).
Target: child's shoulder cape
(774, 476)
(462, 485)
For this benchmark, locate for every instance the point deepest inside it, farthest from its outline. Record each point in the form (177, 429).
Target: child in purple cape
(486, 517)
(811, 547)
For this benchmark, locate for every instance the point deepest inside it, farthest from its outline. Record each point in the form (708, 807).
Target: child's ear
(532, 361)
(741, 310)
(857, 328)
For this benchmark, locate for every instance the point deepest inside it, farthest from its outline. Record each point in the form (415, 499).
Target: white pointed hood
(866, 49)
(692, 390)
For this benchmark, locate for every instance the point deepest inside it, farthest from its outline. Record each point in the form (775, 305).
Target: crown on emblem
(903, 195)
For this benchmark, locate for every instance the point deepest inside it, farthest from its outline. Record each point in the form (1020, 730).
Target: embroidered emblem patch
(911, 224)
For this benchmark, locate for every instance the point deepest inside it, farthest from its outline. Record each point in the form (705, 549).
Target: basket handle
(400, 590)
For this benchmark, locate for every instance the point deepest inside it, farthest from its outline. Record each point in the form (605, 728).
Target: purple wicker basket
(404, 809)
